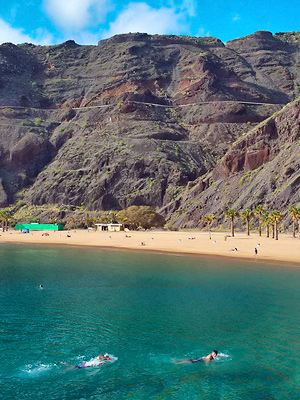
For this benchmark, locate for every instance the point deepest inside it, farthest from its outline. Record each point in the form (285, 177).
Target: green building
(34, 226)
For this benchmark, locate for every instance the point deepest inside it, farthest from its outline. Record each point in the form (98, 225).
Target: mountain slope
(135, 119)
(262, 167)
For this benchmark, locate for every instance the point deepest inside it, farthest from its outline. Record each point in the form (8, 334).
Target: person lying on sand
(94, 362)
(206, 359)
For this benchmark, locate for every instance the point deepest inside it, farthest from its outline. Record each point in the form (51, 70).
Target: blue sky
(88, 21)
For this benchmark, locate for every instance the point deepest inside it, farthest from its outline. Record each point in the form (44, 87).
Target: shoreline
(284, 251)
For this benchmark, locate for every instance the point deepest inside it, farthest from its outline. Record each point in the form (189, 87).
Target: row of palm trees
(5, 218)
(269, 219)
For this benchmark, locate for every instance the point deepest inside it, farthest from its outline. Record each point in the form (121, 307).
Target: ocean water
(147, 310)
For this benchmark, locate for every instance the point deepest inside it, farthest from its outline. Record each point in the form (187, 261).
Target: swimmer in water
(206, 359)
(41, 287)
(95, 362)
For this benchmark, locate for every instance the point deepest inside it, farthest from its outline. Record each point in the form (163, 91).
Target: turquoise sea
(148, 310)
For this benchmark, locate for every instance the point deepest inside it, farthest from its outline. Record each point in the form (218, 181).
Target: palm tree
(259, 211)
(87, 220)
(247, 214)
(268, 221)
(113, 216)
(265, 217)
(272, 224)
(295, 213)
(277, 217)
(2, 219)
(209, 219)
(95, 221)
(5, 217)
(104, 219)
(231, 213)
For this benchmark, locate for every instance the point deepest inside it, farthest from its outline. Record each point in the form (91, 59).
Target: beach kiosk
(34, 226)
(109, 227)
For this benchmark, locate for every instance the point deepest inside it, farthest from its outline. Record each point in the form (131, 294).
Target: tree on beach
(247, 214)
(259, 211)
(2, 218)
(5, 217)
(231, 213)
(104, 219)
(295, 213)
(141, 216)
(113, 217)
(277, 217)
(272, 224)
(209, 219)
(86, 220)
(70, 222)
(267, 221)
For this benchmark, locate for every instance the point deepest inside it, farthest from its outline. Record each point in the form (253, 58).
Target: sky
(48, 22)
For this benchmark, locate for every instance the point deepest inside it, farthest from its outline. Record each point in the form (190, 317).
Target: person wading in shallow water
(206, 359)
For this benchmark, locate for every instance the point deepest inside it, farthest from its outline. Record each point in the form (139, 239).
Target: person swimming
(206, 359)
(94, 362)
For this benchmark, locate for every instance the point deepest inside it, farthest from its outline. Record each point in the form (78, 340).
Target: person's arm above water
(206, 359)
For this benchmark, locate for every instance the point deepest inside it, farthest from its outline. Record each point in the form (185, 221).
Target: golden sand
(285, 250)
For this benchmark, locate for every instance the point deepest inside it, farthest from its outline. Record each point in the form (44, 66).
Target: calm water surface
(148, 310)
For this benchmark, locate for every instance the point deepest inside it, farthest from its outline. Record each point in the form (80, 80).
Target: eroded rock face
(255, 159)
(136, 118)
(249, 175)
(31, 153)
(3, 196)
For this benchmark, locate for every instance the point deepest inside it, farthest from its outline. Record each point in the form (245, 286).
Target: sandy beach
(284, 250)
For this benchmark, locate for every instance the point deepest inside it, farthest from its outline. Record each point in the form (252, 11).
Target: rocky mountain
(154, 120)
(262, 167)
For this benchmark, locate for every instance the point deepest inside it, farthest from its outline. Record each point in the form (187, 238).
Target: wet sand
(284, 250)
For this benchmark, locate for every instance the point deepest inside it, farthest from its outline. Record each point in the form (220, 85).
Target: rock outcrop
(139, 119)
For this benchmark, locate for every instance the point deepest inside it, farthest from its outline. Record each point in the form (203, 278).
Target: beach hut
(34, 226)
(109, 227)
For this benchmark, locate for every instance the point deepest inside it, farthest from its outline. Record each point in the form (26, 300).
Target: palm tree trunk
(273, 231)
(294, 228)
(276, 230)
(232, 227)
(268, 231)
(259, 226)
(248, 227)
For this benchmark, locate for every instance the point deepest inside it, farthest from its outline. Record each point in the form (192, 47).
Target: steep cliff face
(137, 118)
(263, 167)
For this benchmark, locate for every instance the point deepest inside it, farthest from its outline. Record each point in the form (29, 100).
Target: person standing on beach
(255, 251)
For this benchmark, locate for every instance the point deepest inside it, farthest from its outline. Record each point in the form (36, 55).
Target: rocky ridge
(140, 119)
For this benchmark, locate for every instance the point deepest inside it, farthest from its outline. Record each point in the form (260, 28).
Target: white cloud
(202, 32)
(17, 36)
(236, 17)
(140, 17)
(189, 6)
(86, 37)
(72, 15)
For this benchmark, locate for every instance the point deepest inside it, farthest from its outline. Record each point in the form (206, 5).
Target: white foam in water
(35, 370)
(95, 362)
(222, 356)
